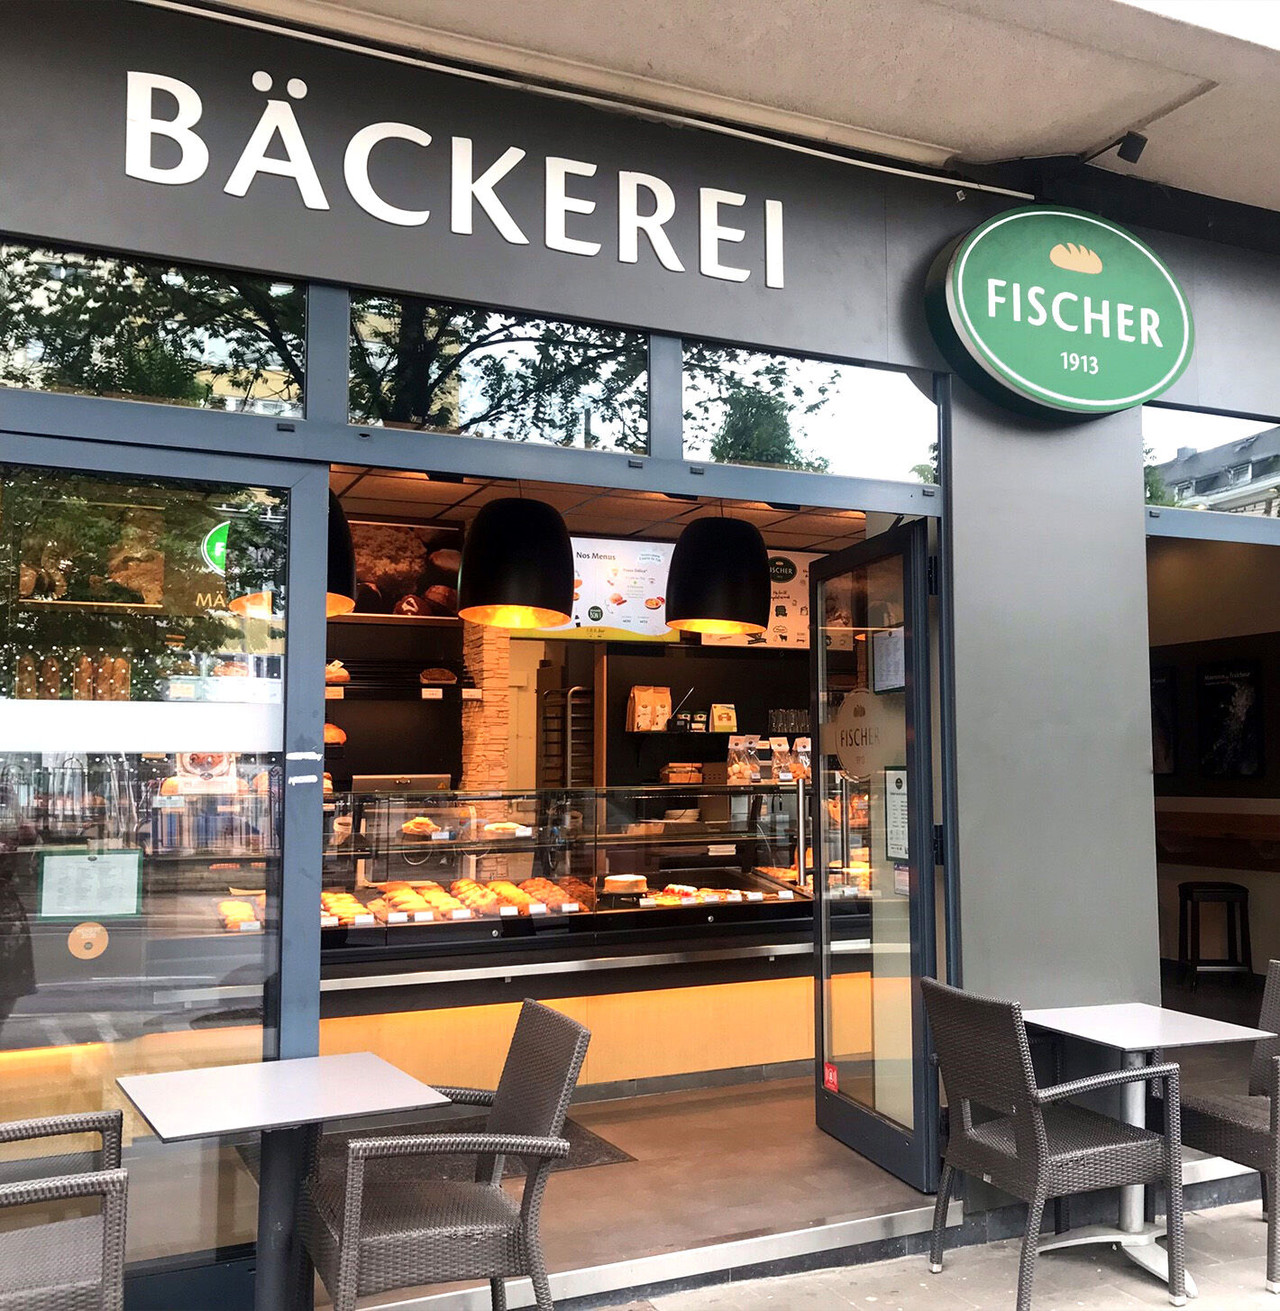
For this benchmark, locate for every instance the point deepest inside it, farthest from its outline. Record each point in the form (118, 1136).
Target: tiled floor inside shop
(711, 1164)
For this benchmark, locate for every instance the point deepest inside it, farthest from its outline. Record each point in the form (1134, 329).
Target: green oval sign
(1057, 310)
(214, 547)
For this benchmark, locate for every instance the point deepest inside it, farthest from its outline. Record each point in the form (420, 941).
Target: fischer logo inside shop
(170, 110)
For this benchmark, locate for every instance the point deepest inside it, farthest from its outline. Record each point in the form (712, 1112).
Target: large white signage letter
(560, 204)
(278, 118)
(773, 258)
(142, 127)
(631, 222)
(711, 234)
(355, 168)
(467, 189)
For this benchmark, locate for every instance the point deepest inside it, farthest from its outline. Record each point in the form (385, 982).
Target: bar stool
(1234, 899)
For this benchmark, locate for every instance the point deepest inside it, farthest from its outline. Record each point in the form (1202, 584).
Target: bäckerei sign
(1059, 311)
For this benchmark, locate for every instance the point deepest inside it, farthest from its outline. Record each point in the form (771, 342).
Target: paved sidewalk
(1226, 1252)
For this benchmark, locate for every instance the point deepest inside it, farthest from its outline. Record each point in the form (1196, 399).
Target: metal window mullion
(293, 1018)
(666, 397)
(328, 353)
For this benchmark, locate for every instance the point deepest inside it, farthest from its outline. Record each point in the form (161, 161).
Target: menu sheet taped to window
(90, 884)
(619, 592)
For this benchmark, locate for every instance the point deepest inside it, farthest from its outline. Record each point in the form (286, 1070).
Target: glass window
(130, 328)
(1204, 461)
(787, 412)
(437, 367)
(142, 643)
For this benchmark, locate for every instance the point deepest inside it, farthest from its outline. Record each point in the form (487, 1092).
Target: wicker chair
(1034, 1145)
(75, 1264)
(1245, 1127)
(367, 1235)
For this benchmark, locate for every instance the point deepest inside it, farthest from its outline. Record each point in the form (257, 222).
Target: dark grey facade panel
(1052, 702)
(851, 244)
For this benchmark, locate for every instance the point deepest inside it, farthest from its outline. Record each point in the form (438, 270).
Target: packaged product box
(724, 718)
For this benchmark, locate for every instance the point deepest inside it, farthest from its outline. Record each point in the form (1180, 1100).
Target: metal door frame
(911, 1154)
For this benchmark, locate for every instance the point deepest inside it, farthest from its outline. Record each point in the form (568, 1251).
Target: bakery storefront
(286, 331)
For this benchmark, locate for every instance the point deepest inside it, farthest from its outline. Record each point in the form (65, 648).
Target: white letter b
(142, 127)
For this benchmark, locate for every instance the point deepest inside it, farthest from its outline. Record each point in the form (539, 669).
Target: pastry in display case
(457, 869)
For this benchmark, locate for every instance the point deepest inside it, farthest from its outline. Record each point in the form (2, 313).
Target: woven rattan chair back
(540, 1073)
(985, 1061)
(1266, 1048)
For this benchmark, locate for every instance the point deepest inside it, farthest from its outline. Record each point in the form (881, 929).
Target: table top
(222, 1099)
(1137, 1027)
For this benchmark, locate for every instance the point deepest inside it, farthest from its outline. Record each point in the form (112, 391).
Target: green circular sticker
(214, 547)
(1061, 311)
(595, 614)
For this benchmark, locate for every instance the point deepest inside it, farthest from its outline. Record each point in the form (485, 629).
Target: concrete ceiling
(927, 81)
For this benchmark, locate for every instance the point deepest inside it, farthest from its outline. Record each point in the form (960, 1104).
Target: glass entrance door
(872, 857)
(144, 626)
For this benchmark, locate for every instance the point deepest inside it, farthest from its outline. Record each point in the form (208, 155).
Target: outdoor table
(274, 1098)
(1136, 1030)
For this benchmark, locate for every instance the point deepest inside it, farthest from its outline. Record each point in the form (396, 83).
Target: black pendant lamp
(517, 567)
(719, 579)
(255, 565)
(340, 590)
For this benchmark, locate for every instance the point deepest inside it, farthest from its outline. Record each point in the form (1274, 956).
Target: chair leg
(945, 1184)
(498, 1294)
(1273, 1239)
(1027, 1265)
(541, 1285)
(1244, 936)
(1177, 1243)
(1184, 943)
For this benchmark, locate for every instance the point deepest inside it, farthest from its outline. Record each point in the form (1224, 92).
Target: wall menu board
(788, 608)
(619, 592)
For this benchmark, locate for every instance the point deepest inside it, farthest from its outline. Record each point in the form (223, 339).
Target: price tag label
(507, 911)
(335, 694)
(328, 921)
(248, 926)
(688, 901)
(442, 835)
(537, 908)
(734, 896)
(433, 694)
(181, 691)
(462, 913)
(721, 849)
(397, 917)
(423, 916)
(646, 902)
(363, 921)
(568, 907)
(473, 694)
(786, 895)
(755, 896)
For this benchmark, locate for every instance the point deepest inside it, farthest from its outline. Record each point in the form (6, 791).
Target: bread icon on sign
(1079, 259)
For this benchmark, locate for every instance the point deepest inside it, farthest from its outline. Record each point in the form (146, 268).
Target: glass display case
(459, 869)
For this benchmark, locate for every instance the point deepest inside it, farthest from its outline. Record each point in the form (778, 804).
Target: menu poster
(90, 884)
(1229, 719)
(888, 660)
(897, 829)
(619, 592)
(788, 607)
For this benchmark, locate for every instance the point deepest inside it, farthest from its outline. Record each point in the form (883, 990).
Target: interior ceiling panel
(925, 81)
(588, 511)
